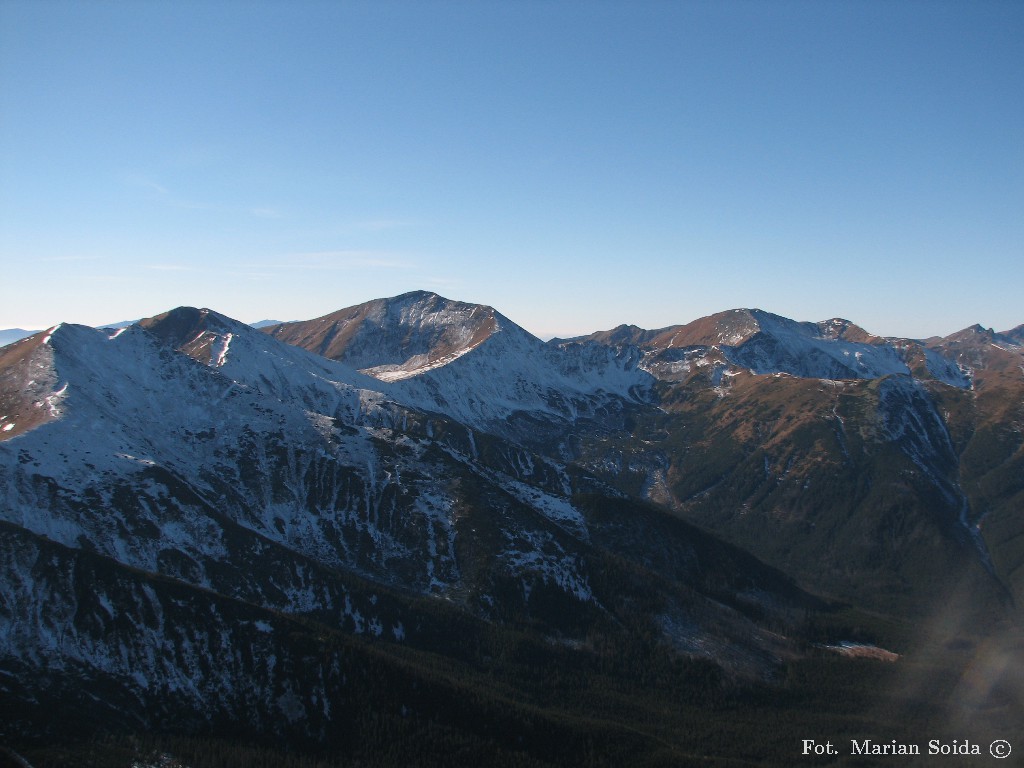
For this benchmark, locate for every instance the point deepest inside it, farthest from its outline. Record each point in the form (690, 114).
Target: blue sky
(575, 165)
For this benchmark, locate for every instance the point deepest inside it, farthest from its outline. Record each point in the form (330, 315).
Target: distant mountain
(413, 517)
(9, 335)
(1016, 335)
(119, 324)
(765, 343)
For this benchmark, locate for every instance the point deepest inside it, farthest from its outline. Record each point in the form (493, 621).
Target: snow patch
(222, 350)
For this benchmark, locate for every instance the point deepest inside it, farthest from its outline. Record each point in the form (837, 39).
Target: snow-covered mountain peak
(469, 362)
(40, 373)
(191, 330)
(397, 336)
(178, 325)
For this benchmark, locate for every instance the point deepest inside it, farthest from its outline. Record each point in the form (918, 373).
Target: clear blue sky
(575, 165)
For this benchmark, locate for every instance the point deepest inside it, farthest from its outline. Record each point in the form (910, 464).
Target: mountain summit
(397, 337)
(472, 363)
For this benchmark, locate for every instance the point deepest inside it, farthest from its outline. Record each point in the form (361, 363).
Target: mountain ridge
(700, 331)
(463, 484)
(559, 398)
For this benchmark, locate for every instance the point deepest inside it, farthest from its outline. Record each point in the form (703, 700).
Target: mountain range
(410, 526)
(10, 335)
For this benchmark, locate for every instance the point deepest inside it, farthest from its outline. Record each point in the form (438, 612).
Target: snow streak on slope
(810, 351)
(414, 366)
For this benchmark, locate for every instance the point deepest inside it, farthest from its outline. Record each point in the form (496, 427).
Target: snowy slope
(513, 374)
(471, 363)
(190, 443)
(810, 351)
(263, 437)
(764, 343)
